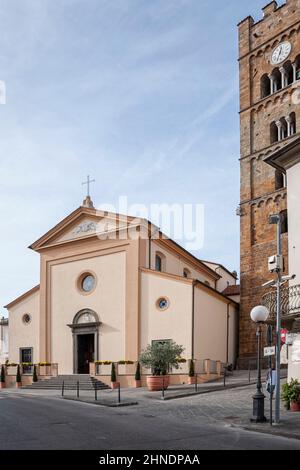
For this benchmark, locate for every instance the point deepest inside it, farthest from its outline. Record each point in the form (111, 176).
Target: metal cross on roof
(88, 182)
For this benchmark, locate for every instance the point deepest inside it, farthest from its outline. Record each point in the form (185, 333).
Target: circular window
(86, 282)
(162, 303)
(26, 318)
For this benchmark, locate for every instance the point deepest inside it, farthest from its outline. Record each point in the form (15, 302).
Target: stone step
(57, 387)
(86, 382)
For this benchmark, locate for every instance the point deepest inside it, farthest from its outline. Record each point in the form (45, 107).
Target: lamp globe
(259, 314)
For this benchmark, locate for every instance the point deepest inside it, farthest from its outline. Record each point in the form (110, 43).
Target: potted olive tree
(160, 357)
(137, 377)
(2, 378)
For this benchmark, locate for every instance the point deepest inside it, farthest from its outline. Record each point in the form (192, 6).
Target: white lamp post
(259, 315)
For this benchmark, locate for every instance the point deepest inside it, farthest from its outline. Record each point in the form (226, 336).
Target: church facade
(108, 288)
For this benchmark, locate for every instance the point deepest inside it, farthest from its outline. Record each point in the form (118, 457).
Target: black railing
(290, 302)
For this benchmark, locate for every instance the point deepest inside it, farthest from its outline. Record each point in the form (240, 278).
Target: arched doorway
(85, 330)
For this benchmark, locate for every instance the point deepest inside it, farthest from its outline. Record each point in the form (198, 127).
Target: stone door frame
(91, 328)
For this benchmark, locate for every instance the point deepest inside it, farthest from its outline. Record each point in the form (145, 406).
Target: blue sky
(142, 95)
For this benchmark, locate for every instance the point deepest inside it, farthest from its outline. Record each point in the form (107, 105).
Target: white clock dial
(281, 53)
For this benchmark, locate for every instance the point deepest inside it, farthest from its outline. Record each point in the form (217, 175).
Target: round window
(88, 283)
(26, 318)
(163, 303)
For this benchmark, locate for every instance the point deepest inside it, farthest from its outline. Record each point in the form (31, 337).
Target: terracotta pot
(114, 385)
(18, 384)
(191, 380)
(295, 406)
(2, 385)
(156, 382)
(137, 383)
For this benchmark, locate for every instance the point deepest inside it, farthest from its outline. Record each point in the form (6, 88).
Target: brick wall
(259, 197)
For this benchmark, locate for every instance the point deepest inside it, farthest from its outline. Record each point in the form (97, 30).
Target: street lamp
(276, 219)
(259, 315)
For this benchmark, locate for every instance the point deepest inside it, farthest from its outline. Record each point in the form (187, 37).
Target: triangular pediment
(80, 224)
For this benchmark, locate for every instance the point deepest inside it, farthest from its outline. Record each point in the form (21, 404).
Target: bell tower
(269, 60)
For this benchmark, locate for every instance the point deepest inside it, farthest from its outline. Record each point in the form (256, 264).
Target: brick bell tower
(269, 59)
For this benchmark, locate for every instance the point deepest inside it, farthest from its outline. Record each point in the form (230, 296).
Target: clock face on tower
(281, 53)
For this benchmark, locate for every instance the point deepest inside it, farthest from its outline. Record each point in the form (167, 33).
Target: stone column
(289, 125)
(283, 77)
(279, 127)
(294, 65)
(272, 84)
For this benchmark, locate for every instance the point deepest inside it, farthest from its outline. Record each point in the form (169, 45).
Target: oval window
(162, 303)
(26, 318)
(88, 283)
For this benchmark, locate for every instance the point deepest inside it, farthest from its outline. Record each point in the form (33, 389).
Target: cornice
(271, 42)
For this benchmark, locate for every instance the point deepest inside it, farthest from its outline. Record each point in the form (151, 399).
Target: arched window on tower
(265, 86)
(284, 128)
(292, 124)
(274, 133)
(277, 79)
(289, 76)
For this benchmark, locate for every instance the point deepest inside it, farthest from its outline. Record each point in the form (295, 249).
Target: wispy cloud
(192, 133)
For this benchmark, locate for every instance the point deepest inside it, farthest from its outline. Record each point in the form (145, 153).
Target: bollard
(196, 383)
(163, 389)
(63, 388)
(225, 376)
(78, 389)
(96, 389)
(119, 394)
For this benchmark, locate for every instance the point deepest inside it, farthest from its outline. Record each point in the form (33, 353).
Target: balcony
(290, 302)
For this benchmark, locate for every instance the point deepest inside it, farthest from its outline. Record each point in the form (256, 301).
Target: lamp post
(259, 315)
(276, 220)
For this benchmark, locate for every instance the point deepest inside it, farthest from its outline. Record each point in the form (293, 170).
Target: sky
(142, 95)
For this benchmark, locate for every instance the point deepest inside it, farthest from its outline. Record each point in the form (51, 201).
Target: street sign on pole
(270, 351)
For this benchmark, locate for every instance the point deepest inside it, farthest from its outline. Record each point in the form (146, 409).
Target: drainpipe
(193, 320)
(227, 336)
(149, 261)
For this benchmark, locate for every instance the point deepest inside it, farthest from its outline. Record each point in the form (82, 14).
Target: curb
(203, 392)
(99, 403)
(270, 432)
